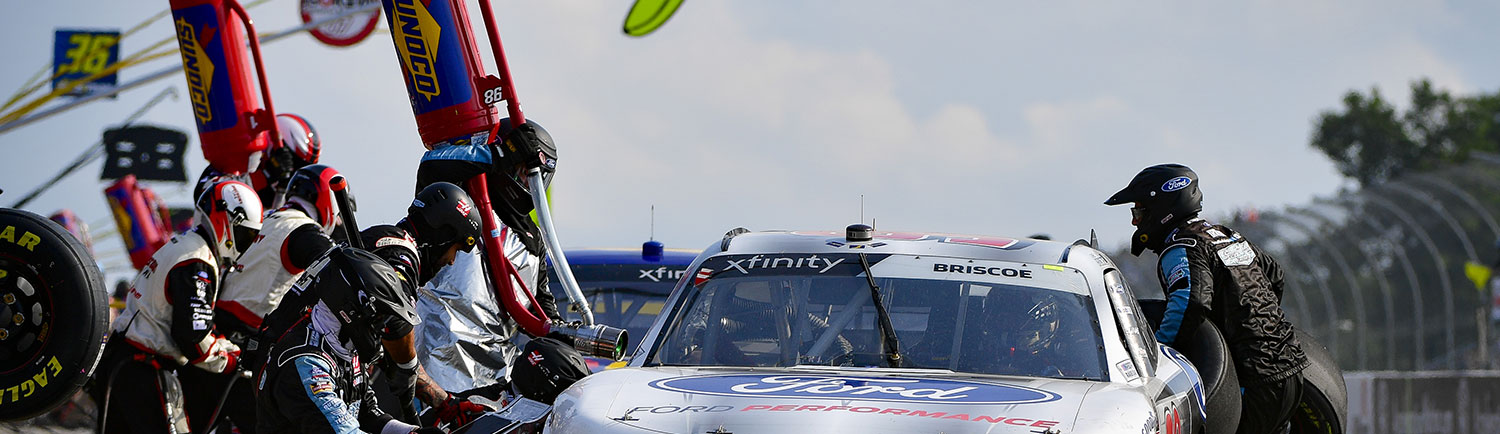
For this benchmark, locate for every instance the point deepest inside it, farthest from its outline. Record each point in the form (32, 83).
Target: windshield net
(981, 317)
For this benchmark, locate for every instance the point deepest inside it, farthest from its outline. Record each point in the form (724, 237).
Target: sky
(997, 118)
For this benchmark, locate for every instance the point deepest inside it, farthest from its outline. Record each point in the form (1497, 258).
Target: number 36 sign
(78, 54)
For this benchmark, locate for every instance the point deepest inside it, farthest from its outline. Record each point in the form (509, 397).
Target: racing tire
(53, 314)
(1221, 385)
(1324, 406)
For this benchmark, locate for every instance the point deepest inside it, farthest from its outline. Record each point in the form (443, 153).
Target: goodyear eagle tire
(1221, 385)
(1324, 405)
(53, 314)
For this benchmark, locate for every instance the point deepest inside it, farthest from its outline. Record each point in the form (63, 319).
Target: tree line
(1370, 141)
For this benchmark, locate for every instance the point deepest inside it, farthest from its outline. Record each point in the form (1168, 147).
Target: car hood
(760, 400)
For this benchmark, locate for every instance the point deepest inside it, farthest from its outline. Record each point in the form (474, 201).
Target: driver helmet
(1035, 328)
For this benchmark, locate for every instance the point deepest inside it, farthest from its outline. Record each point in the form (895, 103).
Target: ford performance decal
(926, 391)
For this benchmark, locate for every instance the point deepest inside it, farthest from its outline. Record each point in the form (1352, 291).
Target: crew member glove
(457, 412)
(523, 146)
(232, 362)
(403, 380)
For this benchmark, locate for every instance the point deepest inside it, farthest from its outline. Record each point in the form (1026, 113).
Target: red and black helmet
(311, 189)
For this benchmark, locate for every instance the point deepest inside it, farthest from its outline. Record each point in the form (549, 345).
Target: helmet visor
(1137, 215)
(243, 236)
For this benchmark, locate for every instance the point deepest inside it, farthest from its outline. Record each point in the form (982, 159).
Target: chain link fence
(1390, 277)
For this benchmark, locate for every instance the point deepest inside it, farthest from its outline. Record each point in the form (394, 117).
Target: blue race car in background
(626, 287)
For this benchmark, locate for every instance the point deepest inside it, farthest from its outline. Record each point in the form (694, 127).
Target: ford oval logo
(1177, 183)
(926, 391)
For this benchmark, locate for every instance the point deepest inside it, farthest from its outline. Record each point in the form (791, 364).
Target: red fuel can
(440, 61)
(232, 125)
(134, 220)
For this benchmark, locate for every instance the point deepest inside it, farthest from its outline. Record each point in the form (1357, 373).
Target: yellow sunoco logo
(416, 35)
(199, 68)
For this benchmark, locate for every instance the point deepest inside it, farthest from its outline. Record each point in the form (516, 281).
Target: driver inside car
(1030, 335)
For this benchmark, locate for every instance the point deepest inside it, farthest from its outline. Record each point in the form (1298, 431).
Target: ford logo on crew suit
(926, 391)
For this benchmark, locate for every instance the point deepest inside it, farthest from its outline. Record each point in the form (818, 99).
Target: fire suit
(458, 306)
(314, 382)
(167, 323)
(1210, 272)
(289, 242)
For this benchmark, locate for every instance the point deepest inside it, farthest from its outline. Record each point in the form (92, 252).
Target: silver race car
(863, 331)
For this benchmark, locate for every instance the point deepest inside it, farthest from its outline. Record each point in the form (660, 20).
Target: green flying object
(646, 15)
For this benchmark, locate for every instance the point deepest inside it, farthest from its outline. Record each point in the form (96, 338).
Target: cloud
(1061, 124)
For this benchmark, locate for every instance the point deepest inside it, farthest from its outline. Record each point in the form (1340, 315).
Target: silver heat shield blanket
(466, 340)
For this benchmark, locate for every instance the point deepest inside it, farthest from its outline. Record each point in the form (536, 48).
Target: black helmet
(514, 152)
(1166, 194)
(442, 214)
(366, 296)
(545, 368)
(1034, 329)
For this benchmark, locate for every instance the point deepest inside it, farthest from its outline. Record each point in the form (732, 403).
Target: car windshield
(980, 317)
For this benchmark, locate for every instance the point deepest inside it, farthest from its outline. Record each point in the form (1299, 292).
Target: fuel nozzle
(595, 340)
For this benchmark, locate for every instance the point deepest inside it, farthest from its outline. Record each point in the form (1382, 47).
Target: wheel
(1324, 405)
(53, 314)
(1210, 355)
(1221, 385)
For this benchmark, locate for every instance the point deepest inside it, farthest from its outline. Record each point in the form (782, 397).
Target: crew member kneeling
(314, 379)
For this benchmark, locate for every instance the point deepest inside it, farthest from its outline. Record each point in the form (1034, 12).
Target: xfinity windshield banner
(893, 266)
(789, 264)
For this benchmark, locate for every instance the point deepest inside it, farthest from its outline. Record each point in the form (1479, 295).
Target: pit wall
(1424, 402)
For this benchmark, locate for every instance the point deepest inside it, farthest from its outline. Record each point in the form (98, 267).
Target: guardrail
(1424, 402)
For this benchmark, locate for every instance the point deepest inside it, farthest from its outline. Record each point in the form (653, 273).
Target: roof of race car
(909, 243)
(628, 256)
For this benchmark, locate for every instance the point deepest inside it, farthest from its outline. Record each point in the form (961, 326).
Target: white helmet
(231, 213)
(298, 146)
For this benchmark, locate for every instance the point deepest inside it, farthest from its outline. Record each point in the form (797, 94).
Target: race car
(626, 287)
(865, 331)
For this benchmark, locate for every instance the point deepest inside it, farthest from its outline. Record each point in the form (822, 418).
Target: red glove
(232, 359)
(456, 412)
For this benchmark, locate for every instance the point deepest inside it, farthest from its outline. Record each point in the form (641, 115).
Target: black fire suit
(297, 300)
(1211, 272)
(311, 383)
